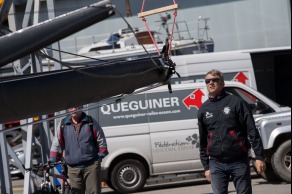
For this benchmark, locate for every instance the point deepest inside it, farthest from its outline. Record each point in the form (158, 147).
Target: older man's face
(75, 115)
(214, 85)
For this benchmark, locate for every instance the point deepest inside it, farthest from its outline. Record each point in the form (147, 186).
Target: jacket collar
(222, 95)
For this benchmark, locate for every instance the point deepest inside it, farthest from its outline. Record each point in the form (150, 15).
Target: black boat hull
(38, 94)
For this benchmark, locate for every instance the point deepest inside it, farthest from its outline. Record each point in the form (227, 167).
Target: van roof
(194, 86)
(223, 56)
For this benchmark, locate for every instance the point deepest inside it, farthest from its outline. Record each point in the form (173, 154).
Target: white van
(154, 135)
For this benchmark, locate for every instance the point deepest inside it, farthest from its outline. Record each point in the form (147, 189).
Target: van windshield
(257, 106)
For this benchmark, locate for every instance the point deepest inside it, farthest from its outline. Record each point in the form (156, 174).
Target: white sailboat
(125, 45)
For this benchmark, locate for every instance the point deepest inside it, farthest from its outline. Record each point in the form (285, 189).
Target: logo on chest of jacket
(209, 115)
(227, 110)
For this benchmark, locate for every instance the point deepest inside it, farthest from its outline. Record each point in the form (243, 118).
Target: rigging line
(94, 75)
(88, 65)
(143, 6)
(145, 22)
(131, 28)
(105, 62)
(77, 55)
(80, 64)
(152, 38)
(85, 64)
(172, 32)
(98, 76)
(146, 89)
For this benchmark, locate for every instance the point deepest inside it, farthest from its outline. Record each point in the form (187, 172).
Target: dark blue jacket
(89, 146)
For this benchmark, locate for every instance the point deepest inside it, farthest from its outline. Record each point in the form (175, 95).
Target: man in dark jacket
(81, 141)
(227, 131)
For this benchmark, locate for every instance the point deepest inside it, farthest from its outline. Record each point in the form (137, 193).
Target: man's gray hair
(216, 72)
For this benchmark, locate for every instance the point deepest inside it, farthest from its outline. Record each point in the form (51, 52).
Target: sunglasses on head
(215, 80)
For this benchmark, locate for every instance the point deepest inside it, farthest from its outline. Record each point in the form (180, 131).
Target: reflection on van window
(257, 106)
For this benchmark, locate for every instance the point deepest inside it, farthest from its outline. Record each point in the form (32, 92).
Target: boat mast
(205, 29)
(128, 8)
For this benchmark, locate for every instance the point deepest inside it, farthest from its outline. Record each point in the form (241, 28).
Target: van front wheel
(281, 161)
(128, 176)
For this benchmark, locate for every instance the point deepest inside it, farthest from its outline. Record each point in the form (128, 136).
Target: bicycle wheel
(44, 192)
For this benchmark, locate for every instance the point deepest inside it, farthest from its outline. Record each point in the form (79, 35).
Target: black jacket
(227, 130)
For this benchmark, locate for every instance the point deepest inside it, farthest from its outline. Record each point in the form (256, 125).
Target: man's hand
(101, 156)
(208, 175)
(260, 166)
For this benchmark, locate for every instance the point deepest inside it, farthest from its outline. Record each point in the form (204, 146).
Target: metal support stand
(18, 64)
(4, 9)
(5, 178)
(28, 159)
(56, 46)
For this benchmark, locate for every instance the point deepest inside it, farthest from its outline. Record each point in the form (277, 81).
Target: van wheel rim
(129, 176)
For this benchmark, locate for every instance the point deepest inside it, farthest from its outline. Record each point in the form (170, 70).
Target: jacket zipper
(238, 141)
(220, 121)
(209, 144)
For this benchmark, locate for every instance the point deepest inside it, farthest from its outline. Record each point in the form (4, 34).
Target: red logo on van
(194, 100)
(240, 77)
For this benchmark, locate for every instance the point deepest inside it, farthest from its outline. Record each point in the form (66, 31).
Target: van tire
(269, 174)
(281, 161)
(128, 176)
(110, 185)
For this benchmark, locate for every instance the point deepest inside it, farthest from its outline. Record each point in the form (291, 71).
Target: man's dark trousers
(238, 171)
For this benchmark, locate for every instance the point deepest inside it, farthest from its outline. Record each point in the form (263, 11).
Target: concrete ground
(260, 186)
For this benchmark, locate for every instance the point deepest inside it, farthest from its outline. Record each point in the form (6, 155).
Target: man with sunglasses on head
(227, 132)
(81, 141)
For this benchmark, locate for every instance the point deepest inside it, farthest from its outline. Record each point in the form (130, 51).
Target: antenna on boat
(143, 14)
(164, 20)
(205, 29)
